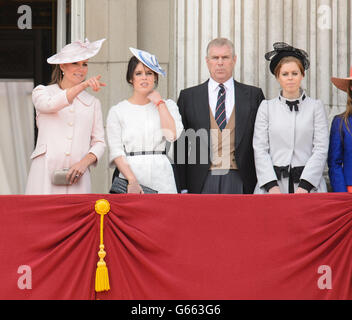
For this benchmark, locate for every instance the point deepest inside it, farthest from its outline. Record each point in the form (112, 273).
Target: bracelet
(160, 102)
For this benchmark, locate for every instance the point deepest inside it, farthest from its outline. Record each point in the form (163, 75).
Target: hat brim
(138, 54)
(341, 83)
(76, 53)
(58, 59)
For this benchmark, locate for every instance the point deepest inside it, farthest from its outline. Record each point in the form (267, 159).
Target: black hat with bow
(281, 50)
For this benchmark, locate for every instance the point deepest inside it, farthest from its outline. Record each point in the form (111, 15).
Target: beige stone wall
(143, 24)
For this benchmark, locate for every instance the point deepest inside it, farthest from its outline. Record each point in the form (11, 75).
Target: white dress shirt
(213, 90)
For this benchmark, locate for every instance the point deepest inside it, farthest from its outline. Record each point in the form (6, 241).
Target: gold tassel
(102, 207)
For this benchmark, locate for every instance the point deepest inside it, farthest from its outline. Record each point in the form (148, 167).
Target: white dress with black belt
(136, 128)
(284, 138)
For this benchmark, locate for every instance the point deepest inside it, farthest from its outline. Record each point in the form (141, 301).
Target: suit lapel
(202, 106)
(242, 109)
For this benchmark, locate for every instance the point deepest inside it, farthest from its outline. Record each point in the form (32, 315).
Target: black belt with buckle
(143, 153)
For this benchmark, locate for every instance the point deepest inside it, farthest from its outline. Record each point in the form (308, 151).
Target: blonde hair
(219, 42)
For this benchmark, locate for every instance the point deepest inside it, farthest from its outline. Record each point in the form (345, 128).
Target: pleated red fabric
(177, 247)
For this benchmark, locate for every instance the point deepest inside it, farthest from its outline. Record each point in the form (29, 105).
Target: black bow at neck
(293, 104)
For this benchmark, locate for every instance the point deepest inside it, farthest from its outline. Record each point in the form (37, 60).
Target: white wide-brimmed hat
(342, 83)
(148, 60)
(76, 51)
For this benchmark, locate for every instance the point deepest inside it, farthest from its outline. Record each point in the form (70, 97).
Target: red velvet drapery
(178, 246)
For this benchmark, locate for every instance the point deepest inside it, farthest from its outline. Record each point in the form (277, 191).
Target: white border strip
(77, 20)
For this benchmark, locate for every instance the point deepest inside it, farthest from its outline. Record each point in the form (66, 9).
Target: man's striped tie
(220, 112)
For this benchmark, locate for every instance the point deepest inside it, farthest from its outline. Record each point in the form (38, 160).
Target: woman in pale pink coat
(70, 125)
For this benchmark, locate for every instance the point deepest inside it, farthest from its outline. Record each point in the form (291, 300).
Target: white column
(288, 21)
(312, 74)
(275, 33)
(238, 38)
(61, 24)
(226, 12)
(180, 49)
(320, 27)
(209, 30)
(324, 48)
(192, 43)
(341, 55)
(249, 63)
(263, 46)
(77, 20)
(300, 23)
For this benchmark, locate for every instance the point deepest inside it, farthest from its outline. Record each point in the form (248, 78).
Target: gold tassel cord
(102, 207)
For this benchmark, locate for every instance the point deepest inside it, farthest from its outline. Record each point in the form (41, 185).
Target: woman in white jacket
(70, 124)
(139, 127)
(291, 135)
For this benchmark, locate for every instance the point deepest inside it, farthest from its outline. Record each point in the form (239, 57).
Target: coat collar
(213, 85)
(293, 104)
(242, 109)
(202, 105)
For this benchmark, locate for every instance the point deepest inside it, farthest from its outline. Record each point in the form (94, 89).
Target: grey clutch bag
(59, 177)
(119, 185)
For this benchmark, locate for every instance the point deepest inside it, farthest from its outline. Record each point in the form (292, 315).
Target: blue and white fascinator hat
(148, 60)
(76, 51)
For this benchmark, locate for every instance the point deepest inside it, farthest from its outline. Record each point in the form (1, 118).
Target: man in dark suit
(215, 153)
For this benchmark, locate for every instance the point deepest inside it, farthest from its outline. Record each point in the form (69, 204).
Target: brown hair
(287, 60)
(56, 75)
(348, 111)
(132, 65)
